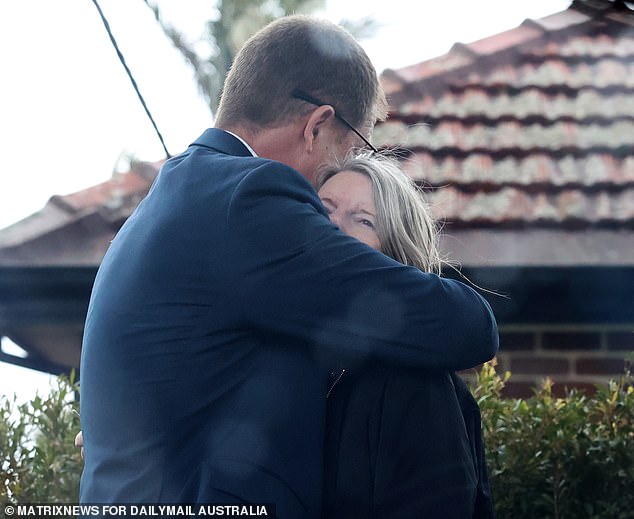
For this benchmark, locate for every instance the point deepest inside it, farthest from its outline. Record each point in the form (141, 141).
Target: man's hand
(79, 443)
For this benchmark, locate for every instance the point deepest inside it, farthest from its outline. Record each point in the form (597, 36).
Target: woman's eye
(367, 223)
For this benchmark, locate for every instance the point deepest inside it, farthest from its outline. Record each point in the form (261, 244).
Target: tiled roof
(76, 229)
(528, 130)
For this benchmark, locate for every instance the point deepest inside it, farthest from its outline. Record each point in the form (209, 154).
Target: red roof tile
(76, 229)
(532, 128)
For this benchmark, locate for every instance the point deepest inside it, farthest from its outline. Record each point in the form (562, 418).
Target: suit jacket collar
(222, 141)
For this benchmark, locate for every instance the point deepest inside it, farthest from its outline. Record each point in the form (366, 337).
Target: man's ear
(316, 123)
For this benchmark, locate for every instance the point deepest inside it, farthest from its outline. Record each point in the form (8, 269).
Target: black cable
(125, 66)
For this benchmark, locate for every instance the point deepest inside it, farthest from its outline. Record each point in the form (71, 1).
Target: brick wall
(578, 356)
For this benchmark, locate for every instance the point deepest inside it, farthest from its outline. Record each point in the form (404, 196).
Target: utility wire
(127, 69)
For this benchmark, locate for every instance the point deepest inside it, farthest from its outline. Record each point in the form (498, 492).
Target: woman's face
(348, 198)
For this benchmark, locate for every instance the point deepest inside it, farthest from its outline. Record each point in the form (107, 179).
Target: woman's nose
(335, 218)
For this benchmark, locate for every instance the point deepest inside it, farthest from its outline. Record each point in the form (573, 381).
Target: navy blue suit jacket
(212, 324)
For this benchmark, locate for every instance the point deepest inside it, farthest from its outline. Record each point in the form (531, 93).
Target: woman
(400, 443)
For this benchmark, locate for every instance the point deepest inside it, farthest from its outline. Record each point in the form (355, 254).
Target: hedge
(570, 457)
(38, 460)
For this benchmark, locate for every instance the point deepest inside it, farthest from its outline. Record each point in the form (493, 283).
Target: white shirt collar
(243, 142)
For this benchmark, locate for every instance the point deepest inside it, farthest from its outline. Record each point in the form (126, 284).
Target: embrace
(270, 325)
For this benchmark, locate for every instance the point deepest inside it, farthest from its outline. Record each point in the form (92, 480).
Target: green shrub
(570, 457)
(559, 458)
(38, 460)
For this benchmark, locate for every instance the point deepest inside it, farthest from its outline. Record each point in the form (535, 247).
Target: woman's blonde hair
(405, 228)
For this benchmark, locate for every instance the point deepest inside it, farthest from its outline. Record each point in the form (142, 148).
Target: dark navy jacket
(213, 319)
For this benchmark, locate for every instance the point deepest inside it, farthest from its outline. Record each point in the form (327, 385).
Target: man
(228, 293)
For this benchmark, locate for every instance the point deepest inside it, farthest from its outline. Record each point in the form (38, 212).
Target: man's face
(347, 138)
(344, 141)
(333, 147)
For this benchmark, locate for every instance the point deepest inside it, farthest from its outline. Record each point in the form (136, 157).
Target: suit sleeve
(296, 274)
